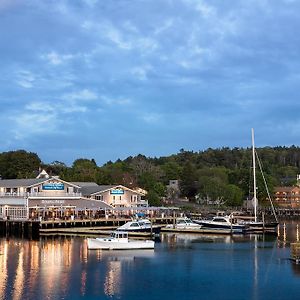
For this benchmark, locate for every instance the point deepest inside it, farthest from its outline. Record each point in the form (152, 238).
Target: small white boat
(140, 225)
(184, 223)
(119, 241)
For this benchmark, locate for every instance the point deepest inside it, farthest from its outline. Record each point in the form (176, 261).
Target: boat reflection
(26, 265)
(180, 239)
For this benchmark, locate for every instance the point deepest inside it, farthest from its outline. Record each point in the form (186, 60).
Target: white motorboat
(222, 222)
(118, 241)
(140, 225)
(184, 223)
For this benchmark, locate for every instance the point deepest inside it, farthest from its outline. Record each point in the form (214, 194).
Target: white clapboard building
(25, 198)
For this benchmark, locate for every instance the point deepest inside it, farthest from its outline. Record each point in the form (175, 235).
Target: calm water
(180, 267)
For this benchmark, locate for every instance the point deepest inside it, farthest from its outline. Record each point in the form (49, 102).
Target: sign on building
(53, 186)
(117, 192)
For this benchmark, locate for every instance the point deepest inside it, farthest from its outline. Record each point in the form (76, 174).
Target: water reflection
(112, 278)
(27, 266)
(3, 269)
(19, 278)
(288, 232)
(57, 268)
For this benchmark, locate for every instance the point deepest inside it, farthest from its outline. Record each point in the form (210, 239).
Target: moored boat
(184, 223)
(140, 225)
(257, 225)
(118, 241)
(222, 222)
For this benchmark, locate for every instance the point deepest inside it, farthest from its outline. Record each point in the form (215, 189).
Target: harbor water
(182, 266)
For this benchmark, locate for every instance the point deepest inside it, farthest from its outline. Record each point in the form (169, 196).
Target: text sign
(117, 192)
(54, 186)
(53, 201)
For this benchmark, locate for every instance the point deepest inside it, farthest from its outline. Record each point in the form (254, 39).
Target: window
(219, 220)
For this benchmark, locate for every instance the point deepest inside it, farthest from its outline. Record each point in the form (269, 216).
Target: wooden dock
(89, 231)
(20, 228)
(91, 227)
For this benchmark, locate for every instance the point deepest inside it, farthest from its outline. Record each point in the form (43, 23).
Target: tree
(153, 198)
(19, 164)
(84, 170)
(233, 195)
(211, 190)
(55, 168)
(188, 183)
(172, 170)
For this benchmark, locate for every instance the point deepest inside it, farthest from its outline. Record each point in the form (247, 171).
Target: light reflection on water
(288, 232)
(56, 268)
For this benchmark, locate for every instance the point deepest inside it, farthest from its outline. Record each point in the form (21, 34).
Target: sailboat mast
(254, 177)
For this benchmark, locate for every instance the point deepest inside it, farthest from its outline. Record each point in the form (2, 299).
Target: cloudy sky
(106, 79)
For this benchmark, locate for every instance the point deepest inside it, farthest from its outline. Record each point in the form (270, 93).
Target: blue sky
(108, 79)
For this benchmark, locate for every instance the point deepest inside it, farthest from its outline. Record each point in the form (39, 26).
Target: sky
(108, 79)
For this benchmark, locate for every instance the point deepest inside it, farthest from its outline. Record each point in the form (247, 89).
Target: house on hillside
(287, 196)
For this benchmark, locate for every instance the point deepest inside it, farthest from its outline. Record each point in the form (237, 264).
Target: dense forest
(220, 176)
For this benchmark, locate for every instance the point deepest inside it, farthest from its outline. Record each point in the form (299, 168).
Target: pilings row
(28, 229)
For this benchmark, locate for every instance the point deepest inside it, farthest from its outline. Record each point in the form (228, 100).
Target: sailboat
(258, 225)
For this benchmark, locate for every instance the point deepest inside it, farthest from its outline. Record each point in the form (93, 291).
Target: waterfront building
(287, 196)
(49, 196)
(115, 195)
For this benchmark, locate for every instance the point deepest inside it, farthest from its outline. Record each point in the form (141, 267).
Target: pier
(23, 228)
(79, 225)
(35, 228)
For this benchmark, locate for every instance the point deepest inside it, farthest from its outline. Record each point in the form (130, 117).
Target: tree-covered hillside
(220, 175)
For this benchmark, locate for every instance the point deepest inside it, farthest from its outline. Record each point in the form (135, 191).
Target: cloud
(25, 79)
(125, 36)
(141, 72)
(209, 62)
(29, 124)
(56, 59)
(206, 10)
(150, 118)
(82, 95)
(90, 3)
(115, 100)
(167, 24)
(55, 108)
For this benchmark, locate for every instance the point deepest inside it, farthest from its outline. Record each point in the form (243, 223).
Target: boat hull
(104, 244)
(261, 227)
(154, 229)
(209, 224)
(185, 227)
